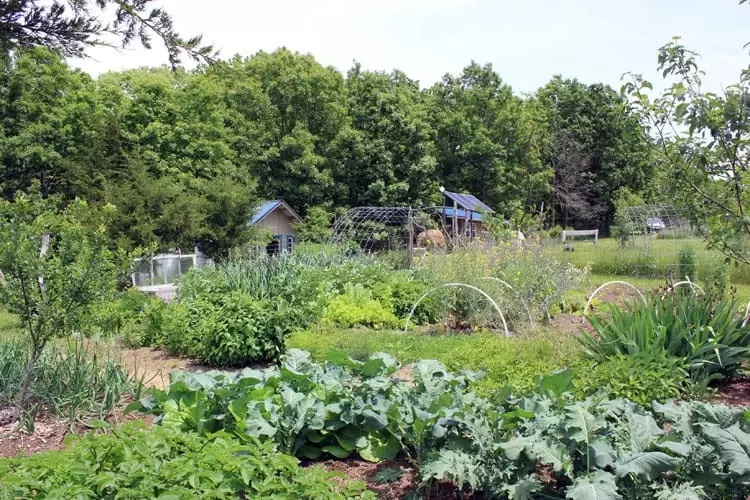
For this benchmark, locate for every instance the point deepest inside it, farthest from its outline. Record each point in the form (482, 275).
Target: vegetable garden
(618, 406)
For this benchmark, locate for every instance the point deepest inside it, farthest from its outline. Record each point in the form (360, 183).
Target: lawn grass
(512, 363)
(10, 326)
(607, 258)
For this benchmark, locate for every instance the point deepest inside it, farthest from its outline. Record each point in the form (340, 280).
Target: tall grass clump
(70, 379)
(708, 335)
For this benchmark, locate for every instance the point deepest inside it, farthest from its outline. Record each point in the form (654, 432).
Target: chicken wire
(661, 237)
(376, 229)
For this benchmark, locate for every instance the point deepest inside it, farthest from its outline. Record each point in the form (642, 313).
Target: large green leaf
(336, 451)
(549, 454)
(297, 361)
(556, 384)
(599, 486)
(582, 424)
(602, 454)
(732, 444)
(647, 465)
(524, 489)
(380, 448)
(515, 447)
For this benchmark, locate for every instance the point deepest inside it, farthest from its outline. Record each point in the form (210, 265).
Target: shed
(277, 218)
(465, 215)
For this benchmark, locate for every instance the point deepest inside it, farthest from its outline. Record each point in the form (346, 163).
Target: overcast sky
(527, 41)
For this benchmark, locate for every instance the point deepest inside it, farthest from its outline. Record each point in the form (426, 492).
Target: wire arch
(472, 287)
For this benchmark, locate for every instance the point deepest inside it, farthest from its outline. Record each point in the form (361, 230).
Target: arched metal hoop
(523, 302)
(693, 287)
(605, 285)
(464, 285)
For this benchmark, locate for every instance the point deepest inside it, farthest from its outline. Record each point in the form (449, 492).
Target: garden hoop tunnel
(464, 285)
(605, 285)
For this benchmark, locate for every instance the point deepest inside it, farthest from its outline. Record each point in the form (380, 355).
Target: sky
(526, 41)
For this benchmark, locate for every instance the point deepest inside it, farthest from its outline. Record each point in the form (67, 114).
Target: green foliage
(133, 316)
(701, 139)
(507, 364)
(71, 380)
(707, 336)
(357, 307)
(555, 233)
(55, 267)
(641, 379)
(316, 227)
(233, 329)
(341, 408)
(134, 462)
(543, 443)
(622, 226)
(687, 264)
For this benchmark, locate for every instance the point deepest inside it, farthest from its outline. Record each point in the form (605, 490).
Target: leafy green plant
(70, 380)
(134, 462)
(640, 379)
(542, 444)
(55, 268)
(357, 307)
(341, 408)
(708, 336)
(389, 475)
(233, 329)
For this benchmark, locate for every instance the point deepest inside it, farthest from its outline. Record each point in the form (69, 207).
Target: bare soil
(735, 392)
(50, 431)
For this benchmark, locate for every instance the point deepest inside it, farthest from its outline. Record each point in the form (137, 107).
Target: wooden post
(411, 240)
(455, 219)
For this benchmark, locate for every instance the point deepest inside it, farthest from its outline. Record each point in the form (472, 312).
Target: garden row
(241, 313)
(542, 445)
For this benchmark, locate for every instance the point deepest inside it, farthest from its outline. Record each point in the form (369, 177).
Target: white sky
(527, 41)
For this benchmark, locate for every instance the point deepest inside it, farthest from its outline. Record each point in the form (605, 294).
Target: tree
(703, 140)
(575, 186)
(291, 109)
(486, 139)
(386, 154)
(69, 27)
(596, 122)
(55, 266)
(316, 227)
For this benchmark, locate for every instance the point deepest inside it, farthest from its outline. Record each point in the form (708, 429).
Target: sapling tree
(703, 140)
(55, 265)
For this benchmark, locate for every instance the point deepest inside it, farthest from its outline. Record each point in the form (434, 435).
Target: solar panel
(469, 202)
(264, 210)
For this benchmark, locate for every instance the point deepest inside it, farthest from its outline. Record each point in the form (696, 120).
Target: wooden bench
(581, 232)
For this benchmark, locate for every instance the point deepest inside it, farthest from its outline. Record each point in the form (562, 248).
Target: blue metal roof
(461, 214)
(264, 210)
(469, 202)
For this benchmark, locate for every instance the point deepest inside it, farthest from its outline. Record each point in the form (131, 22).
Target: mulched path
(736, 392)
(50, 431)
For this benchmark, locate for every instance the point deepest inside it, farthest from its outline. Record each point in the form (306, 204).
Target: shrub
(555, 233)
(242, 331)
(707, 335)
(357, 307)
(133, 462)
(135, 317)
(232, 330)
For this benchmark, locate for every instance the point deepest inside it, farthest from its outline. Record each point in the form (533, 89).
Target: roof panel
(263, 210)
(461, 214)
(469, 202)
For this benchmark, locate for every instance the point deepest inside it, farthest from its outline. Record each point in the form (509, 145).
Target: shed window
(274, 247)
(289, 243)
